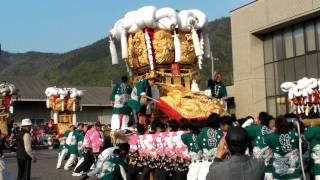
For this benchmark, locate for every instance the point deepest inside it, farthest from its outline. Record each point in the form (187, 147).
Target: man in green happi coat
(209, 139)
(71, 144)
(257, 131)
(312, 134)
(284, 142)
(119, 98)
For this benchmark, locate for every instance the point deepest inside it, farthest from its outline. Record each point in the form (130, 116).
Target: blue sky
(63, 25)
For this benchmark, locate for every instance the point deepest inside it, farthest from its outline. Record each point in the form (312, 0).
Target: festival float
(168, 46)
(7, 90)
(64, 103)
(303, 97)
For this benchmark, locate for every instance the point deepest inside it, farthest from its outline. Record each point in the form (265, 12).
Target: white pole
(55, 117)
(74, 118)
(212, 64)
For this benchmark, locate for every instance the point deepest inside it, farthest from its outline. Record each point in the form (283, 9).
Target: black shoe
(85, 177)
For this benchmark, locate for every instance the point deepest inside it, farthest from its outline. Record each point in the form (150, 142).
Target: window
(279, 76)
(278, 46)
(267, 46)
(318, 30)
(299, 40)
(270, 80)
(312, 65)
(290, 54)
(300, 67)
(289, 72)
(271, 106)
(310, 35)
(288, 43)
(281, 105)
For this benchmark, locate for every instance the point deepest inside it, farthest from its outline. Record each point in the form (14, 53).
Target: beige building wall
(248, 62)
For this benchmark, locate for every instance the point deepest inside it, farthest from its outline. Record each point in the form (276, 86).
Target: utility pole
(212, 62)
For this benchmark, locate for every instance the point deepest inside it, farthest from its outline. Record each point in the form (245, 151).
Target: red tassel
(7, 101)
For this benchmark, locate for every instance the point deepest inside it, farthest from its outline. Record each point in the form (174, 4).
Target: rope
(300, 151)
(172, 75)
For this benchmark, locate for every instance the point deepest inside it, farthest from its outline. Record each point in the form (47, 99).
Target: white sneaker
(76, 174)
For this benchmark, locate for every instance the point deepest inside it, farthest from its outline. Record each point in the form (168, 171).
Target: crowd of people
(217, 148)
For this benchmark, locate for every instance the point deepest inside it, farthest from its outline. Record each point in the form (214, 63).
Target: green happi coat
(111, 166)
(285, 161)
(120, 96)
(72, 145)
(260, 149)
(80, 142)
(209, 140)
(191, 141)
(62, 140)
(218, 89)
(140, 87)
(312, 134)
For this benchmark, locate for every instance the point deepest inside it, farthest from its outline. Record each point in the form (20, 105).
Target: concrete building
(31, 101)
(272, 41)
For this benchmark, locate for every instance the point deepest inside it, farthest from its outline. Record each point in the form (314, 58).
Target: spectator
(24, 152)
(239, 166)
(49, 127)
(12, 139)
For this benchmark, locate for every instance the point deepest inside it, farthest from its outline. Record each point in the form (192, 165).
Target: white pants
(80, 160)
(4, 172)
(194, 169)
(61, 157)
(268, 176)
(115, 121)
(70, 162)
(97, 169)
(204, 170)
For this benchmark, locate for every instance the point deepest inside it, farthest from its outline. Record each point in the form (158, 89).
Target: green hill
(91, 65)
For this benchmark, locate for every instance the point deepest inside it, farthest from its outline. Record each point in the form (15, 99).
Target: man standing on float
(119, 98)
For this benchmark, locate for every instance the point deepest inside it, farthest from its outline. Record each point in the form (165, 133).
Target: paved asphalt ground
(44, 168)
